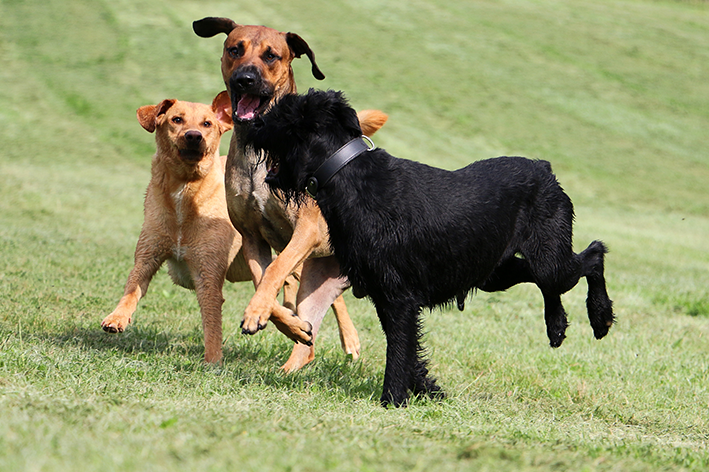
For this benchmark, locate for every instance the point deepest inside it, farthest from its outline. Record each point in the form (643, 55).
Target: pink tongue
(246, 108)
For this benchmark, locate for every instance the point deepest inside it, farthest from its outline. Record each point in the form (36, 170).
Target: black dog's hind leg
(516, 270)
(555, 318)
(508, 273)
(598, 304)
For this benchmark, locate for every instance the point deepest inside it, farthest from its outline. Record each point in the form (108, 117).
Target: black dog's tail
(599, 306)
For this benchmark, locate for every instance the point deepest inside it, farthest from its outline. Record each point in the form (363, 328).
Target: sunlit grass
(613, 94)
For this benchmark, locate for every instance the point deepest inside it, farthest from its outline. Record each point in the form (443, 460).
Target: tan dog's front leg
(210, 298)
(148, 259)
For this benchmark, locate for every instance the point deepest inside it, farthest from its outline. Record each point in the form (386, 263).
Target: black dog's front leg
(402, 332)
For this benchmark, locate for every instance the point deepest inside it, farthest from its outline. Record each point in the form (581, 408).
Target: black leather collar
(337, 161)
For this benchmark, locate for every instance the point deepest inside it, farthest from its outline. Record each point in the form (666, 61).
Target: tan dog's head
(186, 131)
(256, 64)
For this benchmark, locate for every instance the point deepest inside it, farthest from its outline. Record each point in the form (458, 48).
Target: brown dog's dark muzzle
(249, 94)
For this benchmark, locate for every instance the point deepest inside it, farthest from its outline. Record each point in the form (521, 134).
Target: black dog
(411, 236)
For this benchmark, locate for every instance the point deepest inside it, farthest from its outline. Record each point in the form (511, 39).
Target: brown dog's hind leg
(303, 354)
(318, 291)
(348, 333)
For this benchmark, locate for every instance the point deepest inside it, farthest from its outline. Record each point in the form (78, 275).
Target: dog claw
(112, 327)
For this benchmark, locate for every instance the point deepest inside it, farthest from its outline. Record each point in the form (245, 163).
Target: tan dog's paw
(115, 323)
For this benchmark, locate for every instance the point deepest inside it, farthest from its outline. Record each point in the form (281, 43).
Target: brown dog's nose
(246, 79)
(193, 137)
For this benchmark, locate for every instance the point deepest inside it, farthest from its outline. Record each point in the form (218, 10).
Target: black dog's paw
(555, 339)
(395, 400)
(429, 388)
(600, 311)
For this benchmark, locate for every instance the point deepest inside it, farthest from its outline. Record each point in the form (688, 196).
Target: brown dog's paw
(114, 324)
(291, 325)
(351, 347)
(256, 316)
(301, 356)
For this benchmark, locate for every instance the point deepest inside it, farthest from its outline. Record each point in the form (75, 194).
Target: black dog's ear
(321, 111)
(300, 47)
(211, 26)
(345, 115)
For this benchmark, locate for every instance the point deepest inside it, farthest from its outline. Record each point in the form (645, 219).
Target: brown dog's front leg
(258, 256)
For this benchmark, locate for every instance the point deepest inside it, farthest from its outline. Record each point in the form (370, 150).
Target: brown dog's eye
(234, 52)
(177, 120)
(207, 124)
(270, 56)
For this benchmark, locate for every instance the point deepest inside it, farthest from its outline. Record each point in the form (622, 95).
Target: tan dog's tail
(371, 120)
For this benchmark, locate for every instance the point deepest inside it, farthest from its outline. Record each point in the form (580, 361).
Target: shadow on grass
(248, 360)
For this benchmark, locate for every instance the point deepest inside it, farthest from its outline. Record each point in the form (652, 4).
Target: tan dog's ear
(211, 26)
(300, 47)
(148, 114)
(371, 120)
(222, 109)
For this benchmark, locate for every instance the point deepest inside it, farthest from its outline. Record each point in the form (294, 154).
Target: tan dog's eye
(207, 124)
(177, 120)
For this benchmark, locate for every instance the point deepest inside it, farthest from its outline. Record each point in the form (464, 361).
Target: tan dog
(256, 67)
(186, 221)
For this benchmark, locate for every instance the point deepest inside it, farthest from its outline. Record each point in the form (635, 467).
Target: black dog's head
(300, 133)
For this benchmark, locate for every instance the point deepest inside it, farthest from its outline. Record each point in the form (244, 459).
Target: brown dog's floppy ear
(211, 26)
(300, 47)
(148, 114)
(222, 109)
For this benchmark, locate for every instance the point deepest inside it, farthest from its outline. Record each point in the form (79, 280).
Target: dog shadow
(246, 361)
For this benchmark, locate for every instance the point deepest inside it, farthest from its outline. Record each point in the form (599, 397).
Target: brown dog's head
(188, 131)
(256, 64)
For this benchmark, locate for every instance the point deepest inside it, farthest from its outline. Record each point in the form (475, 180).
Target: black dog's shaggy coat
(411, 236)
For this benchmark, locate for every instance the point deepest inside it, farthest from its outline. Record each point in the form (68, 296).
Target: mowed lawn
(615, 94)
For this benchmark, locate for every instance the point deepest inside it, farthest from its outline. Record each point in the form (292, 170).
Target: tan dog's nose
(193, 138)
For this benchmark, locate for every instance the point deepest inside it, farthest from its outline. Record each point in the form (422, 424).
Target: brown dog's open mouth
(249, 106)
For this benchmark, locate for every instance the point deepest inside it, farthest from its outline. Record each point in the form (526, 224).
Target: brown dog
(186, 221)
(256, 67)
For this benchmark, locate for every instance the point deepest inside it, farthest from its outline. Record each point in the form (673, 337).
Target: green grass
(614, 93)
